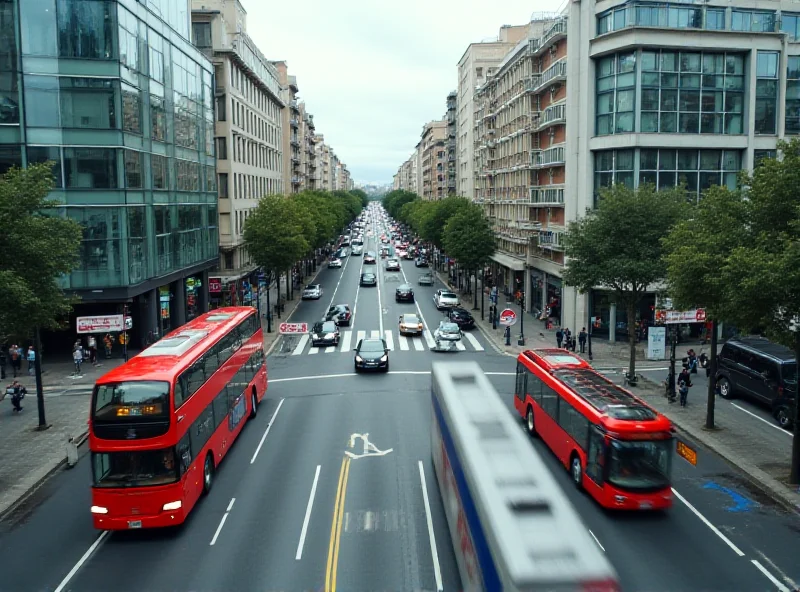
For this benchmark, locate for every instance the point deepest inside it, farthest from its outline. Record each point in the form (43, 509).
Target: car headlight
(314, 336)
(329, 336)
(359, 359)
(385, 359)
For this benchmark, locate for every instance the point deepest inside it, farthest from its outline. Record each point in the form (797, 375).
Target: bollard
(72, 453)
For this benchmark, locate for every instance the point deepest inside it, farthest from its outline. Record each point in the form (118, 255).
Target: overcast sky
(374, 72)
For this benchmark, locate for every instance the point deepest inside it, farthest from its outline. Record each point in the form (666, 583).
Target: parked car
(324, 333)
(371, 354)
(410, 324)
(445, 299)
(312, 292)
(368, 279)
(426, 279)
(335, 263)
(340, 314)
(404, 293)
(757, 369)
(461, 317)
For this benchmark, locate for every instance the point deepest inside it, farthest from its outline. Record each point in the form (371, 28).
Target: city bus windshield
(138, 400)
(139, 468)
(641, 465)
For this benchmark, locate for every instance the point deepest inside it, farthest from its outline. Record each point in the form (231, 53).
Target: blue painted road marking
(740, 502)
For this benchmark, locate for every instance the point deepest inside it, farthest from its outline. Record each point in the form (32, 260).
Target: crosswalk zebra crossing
(350, 339)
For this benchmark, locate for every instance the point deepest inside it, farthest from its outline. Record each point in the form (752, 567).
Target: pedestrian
(92, 350)
(17, 392)
(582, 339)
(31, 361)
(559, 337)
(683, 391)
(567, 337)
(2, 363)
(15, 355)
(77, 357)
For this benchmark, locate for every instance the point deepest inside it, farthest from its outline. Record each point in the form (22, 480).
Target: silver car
(447, 331)
(312, 292)
(445, 299)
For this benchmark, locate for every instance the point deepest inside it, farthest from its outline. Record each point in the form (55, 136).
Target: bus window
(596, 459)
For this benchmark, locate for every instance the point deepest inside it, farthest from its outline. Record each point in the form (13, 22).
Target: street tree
(38, 248)
(696, 252)
(468, 238)
(362, 195)
(278, 234)
(617, 246)
(395, 200)
(762, 273)
(436, 216)
(327, 217)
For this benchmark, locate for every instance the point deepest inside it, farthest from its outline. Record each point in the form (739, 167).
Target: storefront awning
(509, 261)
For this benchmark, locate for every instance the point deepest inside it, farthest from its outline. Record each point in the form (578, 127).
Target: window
(790, 24)
(37, 154)
(158, 118)
(156, 54)
(616, 92)
(223, 185)
(676, 16)
(691, 92)
(211, 178)
(222, 148)
(753, 20)
(201, 35)
(759, 155)
(133, 169)
(131, 109)
(792, 122)
(85, 29)
(697, 169)
(550, 401)
(70, 102)
(10, 156)
(766, 92)
(128, 39)
(158, 165)
(188, 175)
(574, 423)
(611, 167)
(221, 108)
(521, 386)
(91, 168)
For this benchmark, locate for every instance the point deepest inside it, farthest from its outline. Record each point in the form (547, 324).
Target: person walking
(92, 350)
(15, 355)
(77, 357)
(582, 339)
(559, 337)
(17, 392)
(31, 361)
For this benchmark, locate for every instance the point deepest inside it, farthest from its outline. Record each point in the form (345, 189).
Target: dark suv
(404, 293)
(756, 368)
(339, 314)
(461, 317)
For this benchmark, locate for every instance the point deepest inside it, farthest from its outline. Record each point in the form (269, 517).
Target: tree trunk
(794, 474)
(288, 283)
(712, 383)
(631, 339)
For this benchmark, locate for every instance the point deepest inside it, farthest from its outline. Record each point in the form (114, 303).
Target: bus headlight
(99, 510)
(172, 506)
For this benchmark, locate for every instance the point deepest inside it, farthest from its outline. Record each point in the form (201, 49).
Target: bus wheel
(254, 406)
(576, 471)
(208, 473)
(529, 422)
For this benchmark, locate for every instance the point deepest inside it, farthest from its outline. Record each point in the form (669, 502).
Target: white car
(403, 254)
(392, 265)
(447, 331)
(445, 299)
(335, 264)
(312, 292)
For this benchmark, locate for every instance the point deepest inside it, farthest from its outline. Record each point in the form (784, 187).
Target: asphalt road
(336, 491)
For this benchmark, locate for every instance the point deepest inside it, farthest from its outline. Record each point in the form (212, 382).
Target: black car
(461, 317)
(421, 262)
(371, 354)
(340, 314)
(404, 293)
(368, 279)
(324, 333)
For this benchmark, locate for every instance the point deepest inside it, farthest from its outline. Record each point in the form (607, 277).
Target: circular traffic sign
(508, 317)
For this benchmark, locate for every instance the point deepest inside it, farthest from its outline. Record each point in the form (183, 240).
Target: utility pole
(37, 346)
(125, 332)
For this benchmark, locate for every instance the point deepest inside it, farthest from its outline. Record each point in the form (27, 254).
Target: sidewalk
(763, 456)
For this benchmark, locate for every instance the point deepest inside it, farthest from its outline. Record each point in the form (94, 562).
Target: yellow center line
(336, 527)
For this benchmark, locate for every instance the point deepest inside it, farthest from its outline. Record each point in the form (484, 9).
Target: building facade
(452, 126)
(323, 157)
(116, 95)
(248, 134)
(434, 160)
(477, 63)
(308, 154)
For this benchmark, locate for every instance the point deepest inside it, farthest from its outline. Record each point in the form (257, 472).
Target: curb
(290, 313)
(80, 440)
(760, 480)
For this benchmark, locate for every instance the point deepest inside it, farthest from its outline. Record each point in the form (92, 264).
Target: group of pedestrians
(565, 339)
(15, 355)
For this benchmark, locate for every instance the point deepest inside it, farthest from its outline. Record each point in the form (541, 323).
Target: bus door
(596, 456)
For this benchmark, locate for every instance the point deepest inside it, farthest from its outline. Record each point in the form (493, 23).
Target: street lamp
(521, 321)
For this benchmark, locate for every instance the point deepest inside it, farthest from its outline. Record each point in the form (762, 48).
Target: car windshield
(640, 465)
(368, 276)
(449, 328)
(134, 469)
(312, 287)
(372, 345)
(448, 295)
(140, 399)
(327, 327)
(410, 319)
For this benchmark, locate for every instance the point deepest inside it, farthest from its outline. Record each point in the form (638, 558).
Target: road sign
(508, 317)
(293, 328)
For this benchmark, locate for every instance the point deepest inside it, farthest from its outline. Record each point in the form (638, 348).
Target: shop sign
(675, 317)
(100, 324)
(656, 343)
(214, 285)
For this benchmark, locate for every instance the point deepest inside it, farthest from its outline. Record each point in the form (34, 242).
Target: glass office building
(116, 95)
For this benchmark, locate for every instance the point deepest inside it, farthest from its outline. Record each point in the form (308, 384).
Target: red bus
(614, 446)
(161, 423)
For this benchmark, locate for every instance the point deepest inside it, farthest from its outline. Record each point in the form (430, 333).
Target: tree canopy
(435, 215)
(618, 246)
(38, 249)
(469, 238)
(279, 232)
(395, 200)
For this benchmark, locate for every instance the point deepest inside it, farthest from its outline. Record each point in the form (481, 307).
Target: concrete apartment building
(308, 154)
(663, 94)
(248, 135)
(132, 145)
(477, 63)
(291, 152)
(434, 160)
(451, 117)
(323, 153)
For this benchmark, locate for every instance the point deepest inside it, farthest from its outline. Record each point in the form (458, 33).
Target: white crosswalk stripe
(395, 342)
(300, 346)
(346, 337)
(473, 342)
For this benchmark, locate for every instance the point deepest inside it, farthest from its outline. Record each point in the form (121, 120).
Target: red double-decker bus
(161, 423)
(615, 447)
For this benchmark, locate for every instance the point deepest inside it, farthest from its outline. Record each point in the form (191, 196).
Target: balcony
(294, 123)
(551, 239)
(554, 33)
(555, 73)
(252, 61)
(295, 142)
(294, 106)
(553, 115)
(296, 180)
(295, 160)
(549, 157)
(547, 195)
